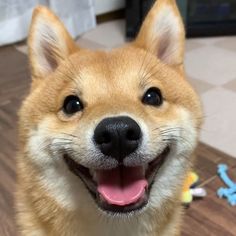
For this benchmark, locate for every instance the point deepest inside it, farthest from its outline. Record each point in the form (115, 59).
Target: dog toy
(230, 192)
(189, 189)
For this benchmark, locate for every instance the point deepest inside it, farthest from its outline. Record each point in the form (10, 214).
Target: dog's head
(112, 128)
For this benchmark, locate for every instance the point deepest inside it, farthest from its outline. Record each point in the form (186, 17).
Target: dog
(106, 138)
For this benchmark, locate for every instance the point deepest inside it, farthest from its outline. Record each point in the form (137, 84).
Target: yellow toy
(189, 189)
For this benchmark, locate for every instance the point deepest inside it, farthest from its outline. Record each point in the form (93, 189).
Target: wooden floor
(208, 217)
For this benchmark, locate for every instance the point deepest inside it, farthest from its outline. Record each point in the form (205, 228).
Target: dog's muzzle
(121, 188)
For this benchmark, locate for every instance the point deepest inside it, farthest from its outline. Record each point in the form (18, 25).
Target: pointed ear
(49, 42)
(162, 32)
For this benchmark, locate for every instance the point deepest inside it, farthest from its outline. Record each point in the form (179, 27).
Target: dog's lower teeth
(102, 199)
(93, 174)
(145, 167)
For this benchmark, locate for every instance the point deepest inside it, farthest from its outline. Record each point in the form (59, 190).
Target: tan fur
(50, 200)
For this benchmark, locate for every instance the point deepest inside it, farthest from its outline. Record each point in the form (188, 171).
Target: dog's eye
(72, 104)
(152, 97)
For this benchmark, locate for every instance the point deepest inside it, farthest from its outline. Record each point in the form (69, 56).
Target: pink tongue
(121, 186)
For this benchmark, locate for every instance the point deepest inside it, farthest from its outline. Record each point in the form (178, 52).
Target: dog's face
(110, 129)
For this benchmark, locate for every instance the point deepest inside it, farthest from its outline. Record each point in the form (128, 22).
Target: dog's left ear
(162, 33)
(49, 42)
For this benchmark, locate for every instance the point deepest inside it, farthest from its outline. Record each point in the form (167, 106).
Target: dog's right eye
(72, 104)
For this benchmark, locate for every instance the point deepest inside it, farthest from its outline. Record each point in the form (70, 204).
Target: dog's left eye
(72, 104)
(152, 97)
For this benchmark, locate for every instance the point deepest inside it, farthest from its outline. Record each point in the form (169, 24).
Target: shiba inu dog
(106, 138)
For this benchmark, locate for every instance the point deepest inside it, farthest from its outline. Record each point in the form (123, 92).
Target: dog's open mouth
(122, 189)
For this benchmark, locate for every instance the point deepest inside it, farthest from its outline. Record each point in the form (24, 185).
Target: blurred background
(210, 63)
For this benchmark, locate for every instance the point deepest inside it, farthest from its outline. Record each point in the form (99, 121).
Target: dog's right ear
(163, 34)
(49, 42)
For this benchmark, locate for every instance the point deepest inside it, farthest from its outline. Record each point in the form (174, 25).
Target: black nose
(117, 137)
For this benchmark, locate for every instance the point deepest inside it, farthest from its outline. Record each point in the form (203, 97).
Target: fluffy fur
(50, 199)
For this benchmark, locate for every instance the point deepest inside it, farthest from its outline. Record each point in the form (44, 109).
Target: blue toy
(230, 192)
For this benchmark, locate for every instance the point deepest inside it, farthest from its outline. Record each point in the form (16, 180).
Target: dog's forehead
(127, 66)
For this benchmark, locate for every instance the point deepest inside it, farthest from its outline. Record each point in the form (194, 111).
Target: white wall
(105, 6)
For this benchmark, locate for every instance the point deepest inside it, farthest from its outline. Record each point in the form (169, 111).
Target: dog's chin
(90, 180)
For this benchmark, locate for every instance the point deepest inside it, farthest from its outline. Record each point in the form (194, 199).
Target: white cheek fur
(54, 175)
(172, 173)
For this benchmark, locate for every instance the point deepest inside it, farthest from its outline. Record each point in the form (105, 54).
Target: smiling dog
(106, 138)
